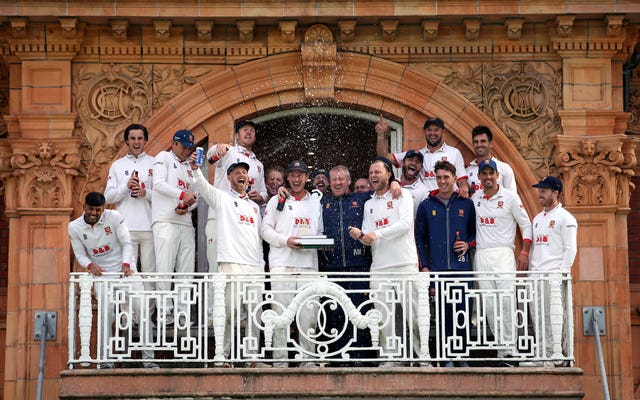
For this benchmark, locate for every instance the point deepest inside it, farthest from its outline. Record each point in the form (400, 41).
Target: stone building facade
(546, 76)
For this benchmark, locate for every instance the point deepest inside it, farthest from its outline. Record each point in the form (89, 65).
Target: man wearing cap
(498, 210)
(320, 180)
(553, 249)
(222, 156)
(239, 247)
(410, 179)
(129, 187)
(388, 228)
(482, 138)
(436, 150)
(101, 244)
(300, 215)
(173, 233)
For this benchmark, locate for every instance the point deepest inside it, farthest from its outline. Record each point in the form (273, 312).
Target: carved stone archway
(362, 82)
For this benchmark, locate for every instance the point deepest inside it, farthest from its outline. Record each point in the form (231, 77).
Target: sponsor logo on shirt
(246, 219)
(183, 185)
(542, 239)
(382, 222)
(491, 221)
(101, 250)
(302, 221)
(429, 174)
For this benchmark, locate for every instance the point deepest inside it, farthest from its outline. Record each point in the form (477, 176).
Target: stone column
(595, 160)
(38, 162)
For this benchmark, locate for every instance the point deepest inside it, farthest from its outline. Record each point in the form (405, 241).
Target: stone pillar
(595, 160)
(38, 162)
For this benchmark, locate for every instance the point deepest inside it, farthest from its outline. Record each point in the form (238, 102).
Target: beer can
(199, 156)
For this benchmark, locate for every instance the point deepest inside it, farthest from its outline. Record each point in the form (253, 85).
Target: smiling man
(129, 187)
(224, 155)
(301, 215)
(482, 138)
(410, 179)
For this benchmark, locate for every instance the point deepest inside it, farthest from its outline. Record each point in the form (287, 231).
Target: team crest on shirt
(389, 205)
(443, 158)
(433, 213)
(327, 206)
(552, 224)
(354, 204)
(150, 173)
(460, 212)
(107, 230)
(501, 204)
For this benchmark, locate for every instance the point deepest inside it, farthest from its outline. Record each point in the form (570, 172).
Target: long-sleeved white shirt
(496, 219)
(506, 177)
(171, 177)
(238, 223)
(555, 242)
(236, 154)
(419, 192)
(106, 244)
(137, 211)
(392, 221)
(298, 218)
(444, 153)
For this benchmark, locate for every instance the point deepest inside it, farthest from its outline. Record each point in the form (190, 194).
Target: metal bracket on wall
(589, 314)
(45, 322)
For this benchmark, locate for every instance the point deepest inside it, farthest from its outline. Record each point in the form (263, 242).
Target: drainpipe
(627, 69)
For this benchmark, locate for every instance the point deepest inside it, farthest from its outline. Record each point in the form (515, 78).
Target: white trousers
(498, 293)
(143, 249)
(175, 247)
(133, 284)
(211, 230)
(552, 314)
(235, 301)
(306, 317)
(389, 296)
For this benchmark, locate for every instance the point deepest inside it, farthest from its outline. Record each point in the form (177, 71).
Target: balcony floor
(323, 383)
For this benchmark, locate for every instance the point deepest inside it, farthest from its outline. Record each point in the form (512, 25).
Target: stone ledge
(408, 383)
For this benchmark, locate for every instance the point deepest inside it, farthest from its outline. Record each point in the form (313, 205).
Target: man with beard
(482, 138)
(173, 233)
(553, 249)
(300, 215)
(445, 231)
(101, 244)
(320, 180)
(498, 210)
(436, 150)
(239, 246)
(410, 179)
(224, 155)
(387, 227)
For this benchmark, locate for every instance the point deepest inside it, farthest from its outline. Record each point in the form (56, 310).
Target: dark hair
(445, 165)
(133, 127)
(387, 165)
(276, 168)
(481, 129)
(94, 199)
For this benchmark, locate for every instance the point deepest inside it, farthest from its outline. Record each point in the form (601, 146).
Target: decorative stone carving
(347, 30)
(68, 26)
(472, 28)
(614, 24)
(564, 25)
(205, 30)
(163, 29)
(119, 29)
(634, 104)
(514, 27)
(388, 29)
(590, 168)
(625, 186)
(245, 29)
(288, 30)
(319, 57)
(430, 29)
(42, 173)
(18, 28)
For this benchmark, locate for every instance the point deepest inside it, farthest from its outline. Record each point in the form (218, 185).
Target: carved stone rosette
(596, 170)
(38, 174)
(319, 57)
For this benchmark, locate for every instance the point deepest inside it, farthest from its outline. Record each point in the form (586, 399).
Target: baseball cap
(242, 122)
(550, 182)
(413, 153)
(434, 121)
(184, 137)
(236, 165)
(487, 164)
(320, 172)
(298, 165)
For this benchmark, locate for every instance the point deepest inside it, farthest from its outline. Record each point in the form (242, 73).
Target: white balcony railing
(393, 319)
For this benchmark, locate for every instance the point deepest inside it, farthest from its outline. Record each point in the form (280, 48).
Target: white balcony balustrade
(420, 319)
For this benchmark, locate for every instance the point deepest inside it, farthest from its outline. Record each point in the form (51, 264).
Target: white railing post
(85, 319)
(556, 314)
(219, 315)
(424, 313)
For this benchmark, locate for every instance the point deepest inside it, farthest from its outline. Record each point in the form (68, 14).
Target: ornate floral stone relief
(319, 56)
(590, 170)
(522, 98)
(110, 97)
